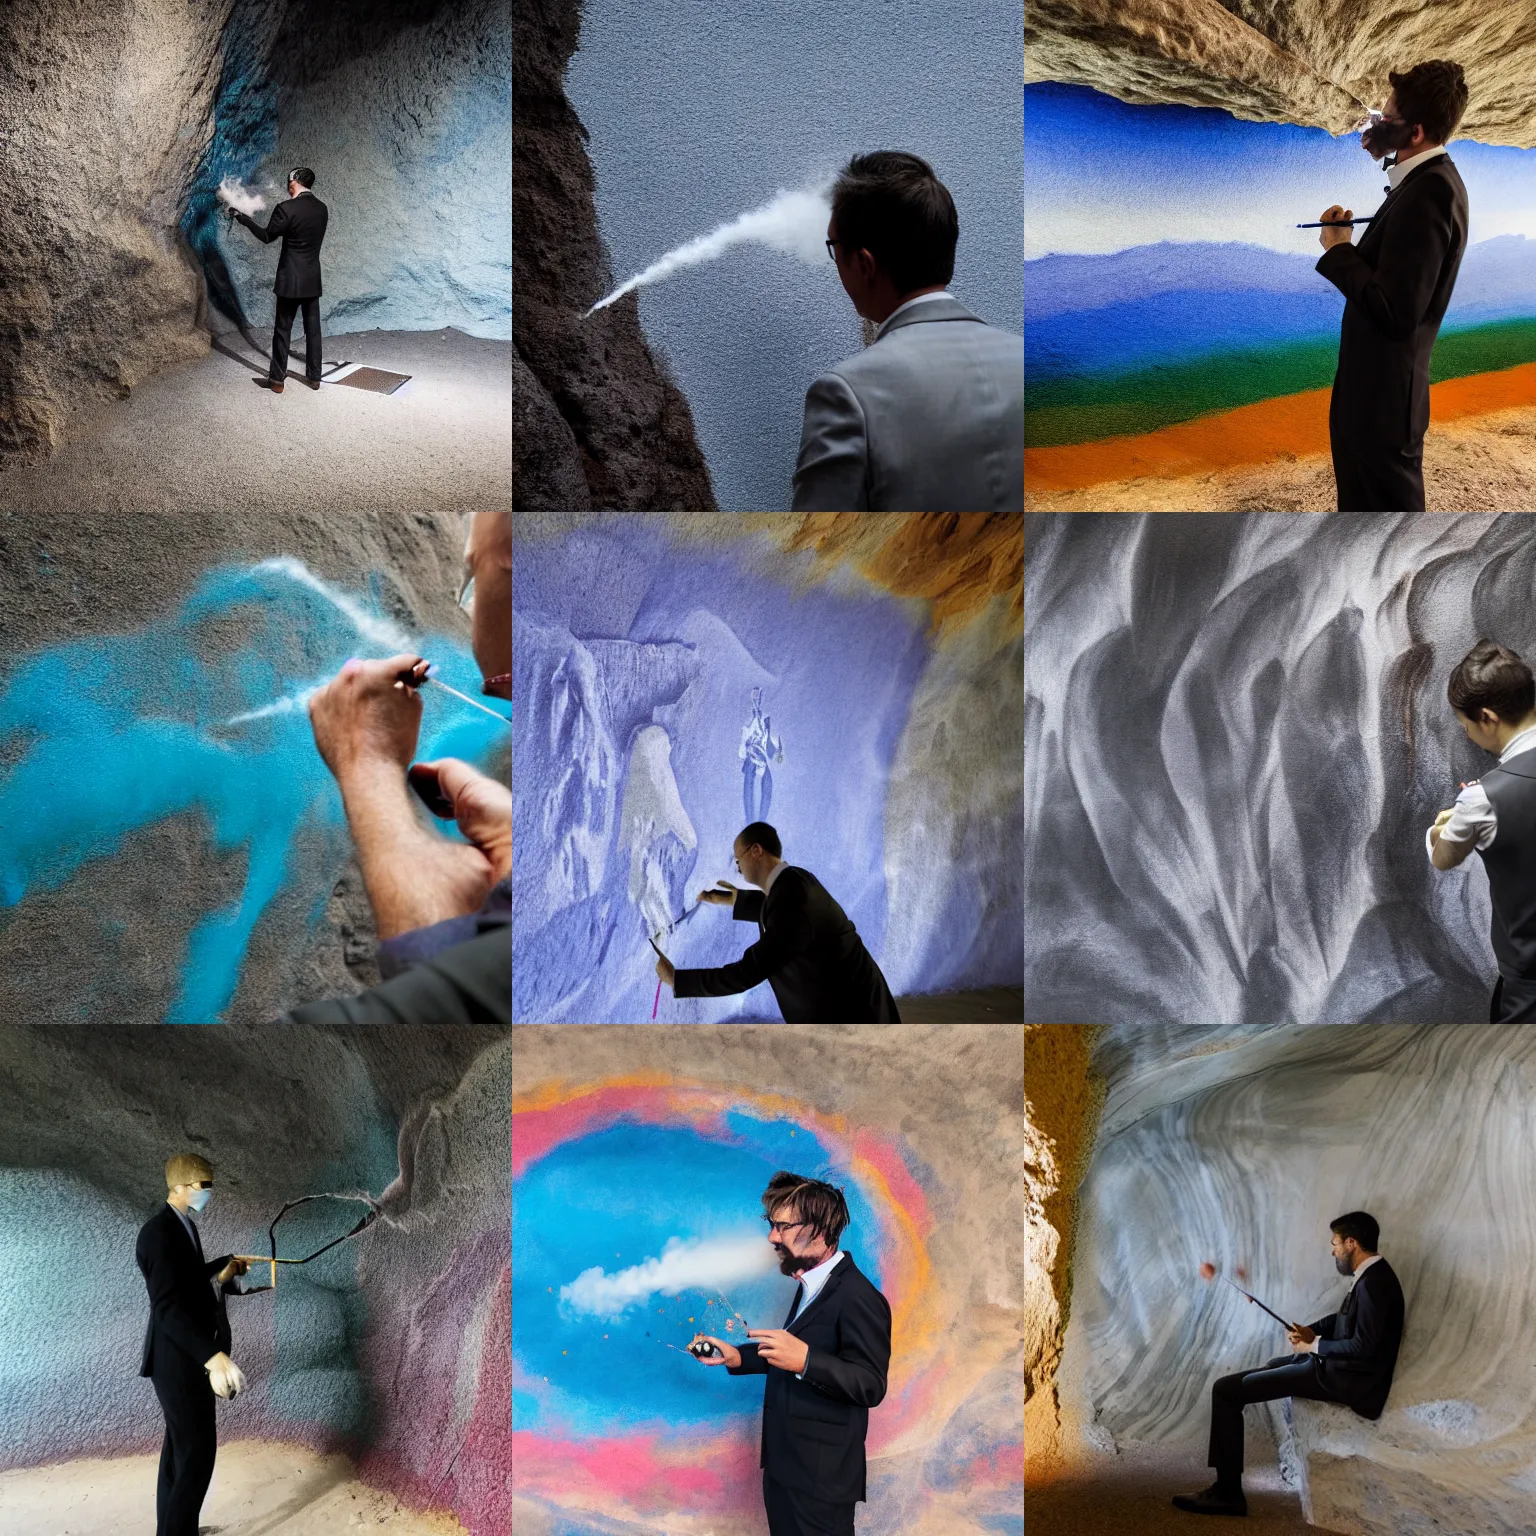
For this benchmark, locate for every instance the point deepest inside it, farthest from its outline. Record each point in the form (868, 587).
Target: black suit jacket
(1357, 1345)
(187, 1323)
(809, 953)
(1397, 281)
(814, 1429)
(300, 225)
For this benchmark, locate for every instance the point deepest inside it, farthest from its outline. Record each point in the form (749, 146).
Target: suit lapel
(834, 1280)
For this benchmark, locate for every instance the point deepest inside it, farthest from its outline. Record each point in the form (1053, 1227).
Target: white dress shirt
(1395, 173)
(778, 869)
(812, 1281)
(1473, 815)
(1311, 1349)
(906, 306)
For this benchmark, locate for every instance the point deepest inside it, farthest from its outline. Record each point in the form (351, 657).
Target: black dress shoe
(313, 383)
(1214, 1501)
(276, 388)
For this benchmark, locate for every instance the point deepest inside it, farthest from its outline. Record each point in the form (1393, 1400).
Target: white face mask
(199, 1198)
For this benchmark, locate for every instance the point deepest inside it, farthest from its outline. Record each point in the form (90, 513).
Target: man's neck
(888, 309)
(768, 873)
(1362, 1261)
(1403, 160)
(1507, 733)
(811, 1264)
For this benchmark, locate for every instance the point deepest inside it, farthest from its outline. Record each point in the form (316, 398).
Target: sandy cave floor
(259, 1489)
(1130, 1495)
(1471, 464)
(201, 435)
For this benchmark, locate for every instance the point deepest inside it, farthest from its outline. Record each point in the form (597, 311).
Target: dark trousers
(1514, 1002)
(1284, 1376)
(798, 1514)
(1372, 477)
(191, 1443)
(282, 333)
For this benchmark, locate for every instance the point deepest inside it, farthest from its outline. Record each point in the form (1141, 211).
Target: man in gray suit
(930, 416)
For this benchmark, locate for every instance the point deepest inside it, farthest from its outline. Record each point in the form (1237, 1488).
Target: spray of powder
(246, 199)
(696, 1264)
(794, 222)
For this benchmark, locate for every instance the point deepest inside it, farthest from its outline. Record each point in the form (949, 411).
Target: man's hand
(666, 970)
(1300, 1336)
(1441, 820)
(233, 1270)
(482, 806)
(779, 1347)
(720, 898)
(1333, 237)
(224, 1375)
(729, 1355)
(366, 717)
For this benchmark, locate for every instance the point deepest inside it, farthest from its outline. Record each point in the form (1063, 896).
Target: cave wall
(1239, 1156)
(172, 847)
(698, 112)
(1239, 734)
(888, 655)
(923, 1129)
(392, 1347)
(597, 420)
(1176, 318)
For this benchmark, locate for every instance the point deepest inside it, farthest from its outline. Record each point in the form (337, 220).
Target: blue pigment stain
(612, 1200)
(117, 733)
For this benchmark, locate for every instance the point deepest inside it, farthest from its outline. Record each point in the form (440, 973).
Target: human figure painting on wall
(758, 745)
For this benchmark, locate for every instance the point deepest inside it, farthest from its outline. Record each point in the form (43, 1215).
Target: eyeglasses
(467, 591)
(777, 1227)
(832, 249)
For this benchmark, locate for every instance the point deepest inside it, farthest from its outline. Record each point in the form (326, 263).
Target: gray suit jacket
(930, 418)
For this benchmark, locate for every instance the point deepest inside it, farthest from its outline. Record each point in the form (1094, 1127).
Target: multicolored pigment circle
(605, 1419)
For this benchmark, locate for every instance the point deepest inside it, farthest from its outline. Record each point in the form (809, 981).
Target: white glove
(226, 1377)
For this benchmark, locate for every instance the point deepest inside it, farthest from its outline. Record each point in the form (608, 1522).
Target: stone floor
(984, 1006)
(202, 435)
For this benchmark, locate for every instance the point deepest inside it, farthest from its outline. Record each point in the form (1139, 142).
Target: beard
(788, 1263)
(1343, 1266)
(1381, 139)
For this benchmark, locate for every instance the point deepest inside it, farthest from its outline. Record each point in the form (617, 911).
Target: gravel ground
(202, 436)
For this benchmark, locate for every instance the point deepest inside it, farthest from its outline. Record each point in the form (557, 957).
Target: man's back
(1358, 1344)
(929, 418)
(300, 223)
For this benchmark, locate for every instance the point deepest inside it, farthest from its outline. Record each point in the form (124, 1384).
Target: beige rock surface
(1315, 62)
(1472, 464)
(259, 1489)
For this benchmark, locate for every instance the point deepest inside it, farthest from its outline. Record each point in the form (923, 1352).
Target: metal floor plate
(380, 380)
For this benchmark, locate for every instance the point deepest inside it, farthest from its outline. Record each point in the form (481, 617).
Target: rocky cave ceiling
(1319, 63)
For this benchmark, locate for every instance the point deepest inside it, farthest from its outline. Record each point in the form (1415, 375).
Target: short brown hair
(892, 205)
(1433, 94)
(821, 1206)
(1491, 676)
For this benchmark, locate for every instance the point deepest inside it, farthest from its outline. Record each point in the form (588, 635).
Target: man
(930, 416)
(1347, 1357)
(1493, 695)
(442, 908)
(187, 1343)
(300, 225)
(826, 1367)
(808, 952)
(1397, 282)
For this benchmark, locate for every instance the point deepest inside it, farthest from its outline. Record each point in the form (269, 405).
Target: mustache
(1384, 136)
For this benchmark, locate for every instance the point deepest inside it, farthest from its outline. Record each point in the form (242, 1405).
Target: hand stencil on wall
(758, 746)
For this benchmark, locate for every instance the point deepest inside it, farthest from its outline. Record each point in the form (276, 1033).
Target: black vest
(1511, 865)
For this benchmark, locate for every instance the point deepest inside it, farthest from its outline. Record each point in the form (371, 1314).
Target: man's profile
(300, 224)
(1397, 283)
(188, 1340)
(1347, 1357)
(826, 1367)
(1493, 695)
(930, 416)
(808, 952)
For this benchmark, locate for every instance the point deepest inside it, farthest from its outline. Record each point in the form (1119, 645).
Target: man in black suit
(187, 1343)
(300, 225)
(1347, 1357)
(826, 1367)
(809, 953)
(1397, 282)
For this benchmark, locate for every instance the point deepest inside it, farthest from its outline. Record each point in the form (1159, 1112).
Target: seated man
(443, 909)
(809, 953)
(1347, 1357)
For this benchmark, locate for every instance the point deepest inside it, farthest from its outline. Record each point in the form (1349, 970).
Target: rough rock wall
(1292, 61)
(891, 752)
(392, 1346)
(1208, 695)
(639, 1136)
(596, 420)
(1239, 1157)
(106, 106)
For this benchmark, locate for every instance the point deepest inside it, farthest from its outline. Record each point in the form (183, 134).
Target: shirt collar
(186, 1220)
(1396, 173)
(778, 869)
(1518, 744)
(900, 308)
(814, 1279)
(1373, 1258)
